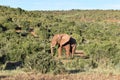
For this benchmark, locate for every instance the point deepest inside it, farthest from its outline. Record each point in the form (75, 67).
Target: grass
(11, 72)
(93, 74)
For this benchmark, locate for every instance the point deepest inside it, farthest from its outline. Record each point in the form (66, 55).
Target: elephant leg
(59, 51)
(73, 49)
(67, 48)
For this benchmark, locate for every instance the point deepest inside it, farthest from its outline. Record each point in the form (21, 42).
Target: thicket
(96, 31)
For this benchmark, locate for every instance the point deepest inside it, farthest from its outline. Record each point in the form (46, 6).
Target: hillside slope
(96, 32)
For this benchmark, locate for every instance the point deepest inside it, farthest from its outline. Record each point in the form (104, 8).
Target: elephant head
(60, 40)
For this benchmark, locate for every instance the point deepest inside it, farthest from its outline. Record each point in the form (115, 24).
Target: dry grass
(96, 74)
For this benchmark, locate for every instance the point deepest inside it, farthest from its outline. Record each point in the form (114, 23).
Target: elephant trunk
(52, 50)
(53, 44)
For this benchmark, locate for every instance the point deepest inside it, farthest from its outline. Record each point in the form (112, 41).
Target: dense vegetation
(96, 31)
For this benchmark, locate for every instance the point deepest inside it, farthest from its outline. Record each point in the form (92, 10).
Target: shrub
(44, 63)
(79, 65)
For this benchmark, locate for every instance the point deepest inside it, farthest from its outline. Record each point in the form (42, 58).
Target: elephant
(31, 30)
(28, 30)
(63, 41)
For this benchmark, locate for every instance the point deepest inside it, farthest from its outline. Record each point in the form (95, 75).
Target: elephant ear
(64, 39)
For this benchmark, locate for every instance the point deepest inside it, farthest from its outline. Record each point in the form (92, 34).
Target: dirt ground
(80, 76)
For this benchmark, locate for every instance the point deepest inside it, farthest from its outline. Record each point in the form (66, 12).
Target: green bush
(44, 63)
(95, 34)
(80, 65)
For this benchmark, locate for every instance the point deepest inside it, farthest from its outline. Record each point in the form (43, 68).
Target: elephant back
(64, 39)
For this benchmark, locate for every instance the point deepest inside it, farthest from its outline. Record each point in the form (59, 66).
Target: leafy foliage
(44, 63)
(96, 32)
